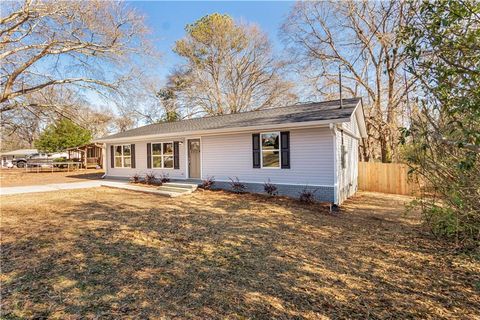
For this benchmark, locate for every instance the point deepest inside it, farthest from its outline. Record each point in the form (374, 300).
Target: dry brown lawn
(108, 254)
(20, 177)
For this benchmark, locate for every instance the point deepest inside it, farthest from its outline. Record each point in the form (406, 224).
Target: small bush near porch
(104, 253)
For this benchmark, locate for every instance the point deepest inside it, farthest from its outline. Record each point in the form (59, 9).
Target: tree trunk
(365, 154)
(386, 153)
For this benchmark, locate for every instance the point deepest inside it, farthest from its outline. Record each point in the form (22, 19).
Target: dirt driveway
(110, 254)
(20, 177)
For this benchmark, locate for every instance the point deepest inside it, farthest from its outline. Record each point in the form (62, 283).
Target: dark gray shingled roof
(327, 110)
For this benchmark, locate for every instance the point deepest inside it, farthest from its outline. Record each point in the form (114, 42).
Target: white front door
(194, 159)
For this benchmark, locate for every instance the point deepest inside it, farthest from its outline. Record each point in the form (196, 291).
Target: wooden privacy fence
(386, 178)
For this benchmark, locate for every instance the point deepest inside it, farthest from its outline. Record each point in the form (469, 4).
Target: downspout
(104, 160)
(333, 129)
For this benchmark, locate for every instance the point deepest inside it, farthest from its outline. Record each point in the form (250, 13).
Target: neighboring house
(19, 155)
(314, 145)
(19, 158)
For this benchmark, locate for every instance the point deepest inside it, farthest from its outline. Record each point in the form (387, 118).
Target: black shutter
(149, 155)
(132, 153)
(176, 158)
(112, 157)
(285, 149)
(256, 150)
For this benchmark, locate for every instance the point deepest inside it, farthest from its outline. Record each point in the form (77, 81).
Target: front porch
(90, 155)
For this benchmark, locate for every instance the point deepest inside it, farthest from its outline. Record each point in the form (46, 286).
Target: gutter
(333, 129)
(350, 133)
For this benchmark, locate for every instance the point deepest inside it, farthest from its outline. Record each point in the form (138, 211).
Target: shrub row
(150, 178)
(306, 195)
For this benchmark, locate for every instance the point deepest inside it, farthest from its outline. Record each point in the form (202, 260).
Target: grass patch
(106, 253)
(21, 177)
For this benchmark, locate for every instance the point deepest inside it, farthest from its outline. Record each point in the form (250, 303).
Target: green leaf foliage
(61, 135)
(215, 31)
(443, 47)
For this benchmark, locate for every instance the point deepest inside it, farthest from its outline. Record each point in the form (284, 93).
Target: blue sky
(167, 20)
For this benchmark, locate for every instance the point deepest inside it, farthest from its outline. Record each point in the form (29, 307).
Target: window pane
(127, 162)
(118, 162)
(168, 162)
(271, 159)
(157, 162)
(118, 150)
(270, 141)
(126, 150)
(167, 148)
(157, 149)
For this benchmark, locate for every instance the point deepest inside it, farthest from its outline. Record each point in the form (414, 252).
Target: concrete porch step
(175, 189)
(190, 186)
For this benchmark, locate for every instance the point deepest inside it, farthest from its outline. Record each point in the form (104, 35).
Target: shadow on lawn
(88, 176)
(236, 257)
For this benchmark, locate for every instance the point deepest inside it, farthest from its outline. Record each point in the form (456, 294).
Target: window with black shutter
(121, 156)
(163, 155)
(271, 150)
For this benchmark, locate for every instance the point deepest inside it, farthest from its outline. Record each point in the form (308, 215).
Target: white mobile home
(314, 145)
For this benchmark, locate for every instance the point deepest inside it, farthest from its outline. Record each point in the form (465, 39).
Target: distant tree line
(60, 56)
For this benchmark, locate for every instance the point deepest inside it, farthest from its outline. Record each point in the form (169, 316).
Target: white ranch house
(314, 145)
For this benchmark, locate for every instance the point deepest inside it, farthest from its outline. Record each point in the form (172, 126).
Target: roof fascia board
(350, 133)
(361, 122)
(308, 124)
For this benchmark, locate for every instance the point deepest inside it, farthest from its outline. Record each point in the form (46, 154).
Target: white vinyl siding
(230, 155)
(347, 176)
(311, 158)
(141, 162)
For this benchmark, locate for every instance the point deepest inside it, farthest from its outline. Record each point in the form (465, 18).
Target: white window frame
(279, 150)
(121, 156)
(162, 156)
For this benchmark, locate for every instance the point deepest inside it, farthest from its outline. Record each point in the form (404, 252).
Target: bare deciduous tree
(20, 130)
(139, 101)
(229, 68)
(20, 127)
(361, 38)
(45, 44)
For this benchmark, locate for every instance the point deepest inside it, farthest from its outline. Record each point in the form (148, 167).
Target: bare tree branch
(361, 37)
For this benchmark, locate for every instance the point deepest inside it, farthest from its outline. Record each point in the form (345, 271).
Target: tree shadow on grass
(87, 176)
(219, 255)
